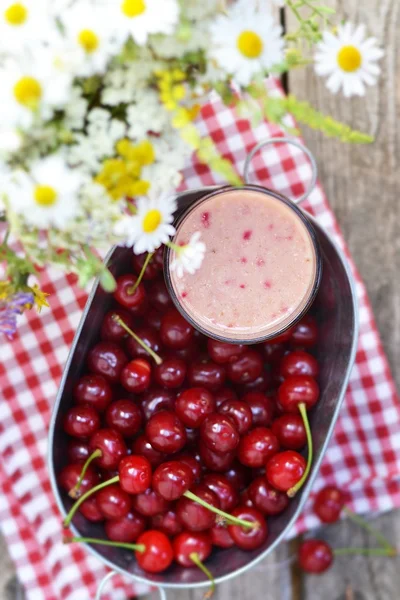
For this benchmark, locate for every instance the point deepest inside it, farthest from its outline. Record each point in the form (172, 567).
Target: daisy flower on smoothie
(140, 18)
(349, 59)
(189, 257)
(246, 41)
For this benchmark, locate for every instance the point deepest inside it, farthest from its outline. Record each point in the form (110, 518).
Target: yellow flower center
(349, 59)
(45, 195)
(28, 91)
(133, 8)
(88, 40)
(152, 220)
(250, 44)
(16, 14)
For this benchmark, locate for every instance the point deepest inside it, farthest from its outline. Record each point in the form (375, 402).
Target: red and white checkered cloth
(363, 457)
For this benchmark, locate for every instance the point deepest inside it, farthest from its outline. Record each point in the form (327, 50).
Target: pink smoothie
(259, 269)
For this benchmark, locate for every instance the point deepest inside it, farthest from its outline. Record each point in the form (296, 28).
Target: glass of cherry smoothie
(261, 270)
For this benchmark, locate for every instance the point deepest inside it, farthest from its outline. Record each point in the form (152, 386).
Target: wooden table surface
(363, 186)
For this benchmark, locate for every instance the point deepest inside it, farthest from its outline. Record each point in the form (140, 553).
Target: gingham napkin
(363, 456)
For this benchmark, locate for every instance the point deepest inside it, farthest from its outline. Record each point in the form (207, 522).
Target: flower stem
(196, 559)
(303, 411)
(88, 540)
(74, 492)
(157, 359)
(227, 517)
(85, 496)
(133, 288)
(365, 551)
(174, 247)
(374, 532)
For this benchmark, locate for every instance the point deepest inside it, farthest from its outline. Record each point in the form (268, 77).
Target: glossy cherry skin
(262, 383)
(247, 368)
(112, 445)
(262, 408)
(124, 416)
(240, 414)
(149, 503)
(134, 474)
(149, 337)
(189, 354)
(244, 537)
(285, 469)
(192, 463)
(223, 353)
(152, 270)
(165, 432)
(123, 294)
(245, 499)
(167, 522)
(238, 475)
(159, 297)
(136, 375)
(78, 450)
(142, 446)
(158, 554)
(107, 359)
(315, 556)
(81, 421)
(171, 373)
(93, 390)
(257, 446)
(328, 504)
(215, 461)
(172, 479)
(126, 529)
(305, 333)
(223, 395)
(111, 331)
(267, 499)
(221, 537)
(273, 353)
(188, 542)
(113, 502)
(290, 431)
(157, 399)
(153, 319)
(298, 389)
(299, 362)
(206, 374)
(219, 433)
(175, 331)
(194, 516)
(193, 405)
(91, 511)
(69, 476)
(228, 496)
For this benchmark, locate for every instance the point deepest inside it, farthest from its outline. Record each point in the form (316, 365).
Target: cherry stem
(87, 495)
(74, 492)
(366, 551)
(88, 540)
(157, 359)
(227, 517)
(293, 490)
(374, 532)
(132, 289)
(196, 559)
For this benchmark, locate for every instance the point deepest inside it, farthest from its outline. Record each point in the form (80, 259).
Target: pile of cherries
(178, 442)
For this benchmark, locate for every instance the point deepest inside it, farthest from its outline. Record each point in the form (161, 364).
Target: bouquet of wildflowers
(98, 117)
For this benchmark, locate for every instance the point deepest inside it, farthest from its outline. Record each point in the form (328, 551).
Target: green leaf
(107, 281)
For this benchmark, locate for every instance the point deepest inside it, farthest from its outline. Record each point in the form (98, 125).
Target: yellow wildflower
(39, 297)
(172, 90)
(184, 116)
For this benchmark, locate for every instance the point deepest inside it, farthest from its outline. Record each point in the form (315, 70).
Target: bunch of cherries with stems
(179, 442)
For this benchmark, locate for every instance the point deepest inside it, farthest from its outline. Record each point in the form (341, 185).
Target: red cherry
(188, 354)
(219, 433)
(285, 469)
(77, 451)
(175, 331)
(166, 432)
(273, 353)
(124, 416)
(93, 390)
(172, 479)
(194, 516)
(193, 405)
(247, 368)
(238, 475)
(223, 353)
(189, 542)
(152, 270)
(192, 463)
(193, 436)
(112, 446)
(135, 376)
(143, 447)
(223, 395)
(149, 337)
(239, 412)
(257, 446)
(158, 554)
(223, 488)
(134, 474)
(216, 461)
(111, 331)
(298, 389)
(248, 538)
(221, 537)
(245, 499)
(126, 529)
(281, 338)
(69, 476)
(206, 374)
(149, 503)
(159, 297)
(91, 511)
(315, 556)
(107, 359)
(305, 333)
(157, 399)
(290, 431)
(170, 373)
(168, 523)
(262, 408)
(153, 319)
(113, 502)
(265, 498)
(81, 421)
(263, 383)
(299, 362)
(328, 504)
(124, 293)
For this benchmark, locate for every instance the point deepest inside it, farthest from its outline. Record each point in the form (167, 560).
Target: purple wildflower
(10, 308)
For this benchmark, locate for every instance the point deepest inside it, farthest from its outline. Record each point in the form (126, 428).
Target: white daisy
(188, 258)
(48, 195)
(23, 23)
(349, 59)
(139, 18)
(246, 42)
(151, 226)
